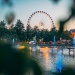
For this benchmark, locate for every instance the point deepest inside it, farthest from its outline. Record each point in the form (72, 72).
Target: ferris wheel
(40, 19)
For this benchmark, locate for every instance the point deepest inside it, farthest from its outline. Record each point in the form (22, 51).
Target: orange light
(21, 47)
(45, 48)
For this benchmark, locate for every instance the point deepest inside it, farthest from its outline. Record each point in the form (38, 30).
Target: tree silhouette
(19, 30)
(62, 23)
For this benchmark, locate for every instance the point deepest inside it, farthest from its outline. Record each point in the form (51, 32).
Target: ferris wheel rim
(28, 22)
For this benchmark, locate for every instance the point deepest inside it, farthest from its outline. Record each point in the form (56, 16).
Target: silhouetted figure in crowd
(60, 59)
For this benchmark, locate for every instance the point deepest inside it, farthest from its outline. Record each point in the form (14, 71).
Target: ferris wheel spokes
(40, 19)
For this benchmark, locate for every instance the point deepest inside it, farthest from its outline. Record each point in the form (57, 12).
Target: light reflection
(45, 49)
(49, 60)
(46, 57)
(19, 47)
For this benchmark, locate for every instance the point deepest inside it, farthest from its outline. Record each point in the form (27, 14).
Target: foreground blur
(16, 62)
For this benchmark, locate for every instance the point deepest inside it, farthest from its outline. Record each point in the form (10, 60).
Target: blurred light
(30, 48)
(7, 2)
(10, 17)
(21, 47)
(46, 48)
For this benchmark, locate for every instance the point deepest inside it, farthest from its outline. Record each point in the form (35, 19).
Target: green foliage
(2, 24)
(18, 32)
(66, 34)
(3, 30)
(16, 62)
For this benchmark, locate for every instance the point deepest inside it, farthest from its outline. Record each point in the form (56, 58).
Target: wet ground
(47, 59)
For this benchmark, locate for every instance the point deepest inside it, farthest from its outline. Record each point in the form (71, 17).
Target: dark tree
(2, 28)
(28, 32)
(19, 30)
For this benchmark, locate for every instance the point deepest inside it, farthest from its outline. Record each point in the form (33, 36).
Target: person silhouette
(59, 63)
